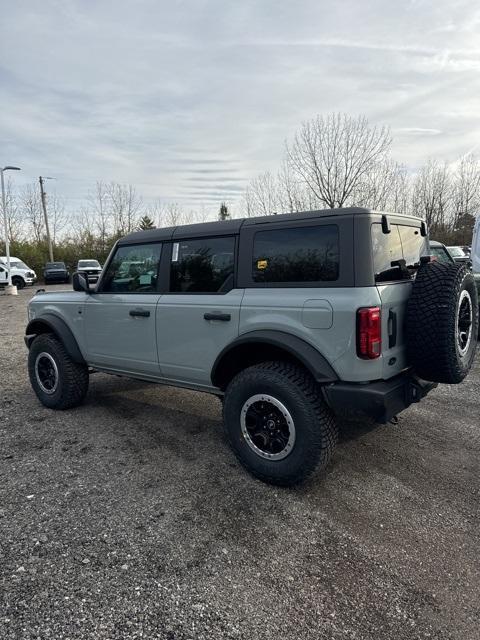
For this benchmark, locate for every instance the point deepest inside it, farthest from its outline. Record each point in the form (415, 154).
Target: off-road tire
(315, 426)
(72, 376)
(18, 282)
(431, 326)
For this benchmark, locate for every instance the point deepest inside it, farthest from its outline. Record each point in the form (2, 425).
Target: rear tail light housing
(369, 333)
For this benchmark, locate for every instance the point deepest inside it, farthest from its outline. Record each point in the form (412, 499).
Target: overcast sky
(189, 100)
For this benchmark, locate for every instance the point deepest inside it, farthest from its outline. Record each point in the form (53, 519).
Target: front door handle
(141, 313)
(225, 317)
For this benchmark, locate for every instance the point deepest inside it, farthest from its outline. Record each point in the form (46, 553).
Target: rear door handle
(225, 317)
(141, 313)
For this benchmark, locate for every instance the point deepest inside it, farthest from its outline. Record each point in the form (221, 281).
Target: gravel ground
(130, 518)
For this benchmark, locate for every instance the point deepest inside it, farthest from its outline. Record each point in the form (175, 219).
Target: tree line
(340, 161)
(334, 160)
(111, 211)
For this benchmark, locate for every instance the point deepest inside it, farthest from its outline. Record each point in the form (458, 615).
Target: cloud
(188, 101)
(417, 131)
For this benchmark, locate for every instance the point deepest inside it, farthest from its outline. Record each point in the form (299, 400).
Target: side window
(296, 254)
(203, 265)
(133, 269)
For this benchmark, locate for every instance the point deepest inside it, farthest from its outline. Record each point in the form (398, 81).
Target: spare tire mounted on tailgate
(442, 322)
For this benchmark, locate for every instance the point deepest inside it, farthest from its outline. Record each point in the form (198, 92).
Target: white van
(21, 274)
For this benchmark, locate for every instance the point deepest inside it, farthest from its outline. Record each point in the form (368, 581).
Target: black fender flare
(312, 359)
(53, 324)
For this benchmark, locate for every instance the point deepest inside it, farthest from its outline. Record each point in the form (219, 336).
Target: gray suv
(292, 320)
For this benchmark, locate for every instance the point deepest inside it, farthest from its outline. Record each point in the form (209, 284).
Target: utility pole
(44, 206)
(10, 289)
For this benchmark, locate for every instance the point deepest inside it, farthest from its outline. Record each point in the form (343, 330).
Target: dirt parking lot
(130, 518)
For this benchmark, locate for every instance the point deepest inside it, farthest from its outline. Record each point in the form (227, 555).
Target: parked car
(22, 275)
(440, 252)
(90, 268)
(56, 272)
(458, 254)
(292, 320)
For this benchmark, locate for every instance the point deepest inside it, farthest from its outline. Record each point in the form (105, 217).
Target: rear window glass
(301, 254)
(402, 243)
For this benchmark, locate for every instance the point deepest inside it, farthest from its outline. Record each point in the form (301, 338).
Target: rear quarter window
(296, 255)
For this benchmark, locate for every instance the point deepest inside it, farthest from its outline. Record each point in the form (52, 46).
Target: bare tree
(169, 214)
(332, 155)
(291, 194)
(466, 189)
(99, 206)
(432, 193)
(125, 207)
(260, 198)
(15, 219)
(400, 195)
(384, 187)
(31, 207)
(57, 216)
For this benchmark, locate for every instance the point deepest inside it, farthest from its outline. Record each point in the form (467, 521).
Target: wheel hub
(464, 322)
(46, 373)
(267, 427)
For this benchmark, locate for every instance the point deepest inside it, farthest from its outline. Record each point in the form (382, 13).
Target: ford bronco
(292, 320)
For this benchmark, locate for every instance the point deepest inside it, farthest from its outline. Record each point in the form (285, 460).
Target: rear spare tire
(442, 322)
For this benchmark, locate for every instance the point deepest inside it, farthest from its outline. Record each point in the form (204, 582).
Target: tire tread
(323, 430)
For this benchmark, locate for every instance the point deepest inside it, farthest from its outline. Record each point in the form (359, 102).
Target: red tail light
(369, 333)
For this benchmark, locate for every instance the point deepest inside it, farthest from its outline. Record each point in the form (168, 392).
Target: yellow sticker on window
(262, 264)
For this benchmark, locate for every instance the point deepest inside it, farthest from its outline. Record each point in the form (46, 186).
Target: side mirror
(80, 282)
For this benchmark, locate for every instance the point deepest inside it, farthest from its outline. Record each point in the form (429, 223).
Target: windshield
(441, 254)
(89, 263)
(55, 265)
(456, 252)
(18, 264)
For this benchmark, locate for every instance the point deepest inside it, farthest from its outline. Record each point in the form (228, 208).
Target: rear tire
(58, 381)
(442, 322)
(278, 424)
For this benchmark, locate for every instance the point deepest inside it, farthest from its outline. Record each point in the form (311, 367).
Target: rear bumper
(380, 400)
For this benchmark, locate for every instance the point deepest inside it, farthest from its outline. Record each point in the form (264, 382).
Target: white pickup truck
(21, 274)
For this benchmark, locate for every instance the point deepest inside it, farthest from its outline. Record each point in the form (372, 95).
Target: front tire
(58, 381)
(278, 424)
(18, 282)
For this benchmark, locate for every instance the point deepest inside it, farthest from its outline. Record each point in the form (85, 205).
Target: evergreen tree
(146, 223)
(223, 214)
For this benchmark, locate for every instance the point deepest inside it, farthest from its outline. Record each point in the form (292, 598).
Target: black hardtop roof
(232, 227)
